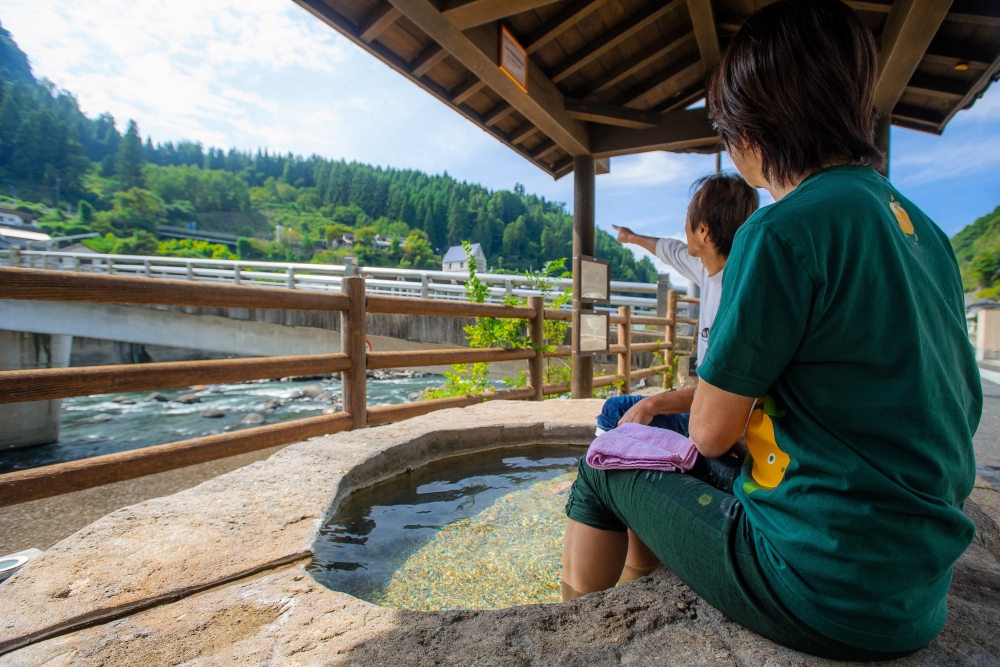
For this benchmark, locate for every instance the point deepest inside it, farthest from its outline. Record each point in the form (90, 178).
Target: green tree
(130, 161)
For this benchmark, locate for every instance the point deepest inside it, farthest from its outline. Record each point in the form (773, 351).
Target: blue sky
(264, 73)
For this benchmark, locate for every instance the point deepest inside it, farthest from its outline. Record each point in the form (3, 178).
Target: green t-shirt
(842, 304)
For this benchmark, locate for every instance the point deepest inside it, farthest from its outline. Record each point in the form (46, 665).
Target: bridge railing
(443, 285)
(353, 361)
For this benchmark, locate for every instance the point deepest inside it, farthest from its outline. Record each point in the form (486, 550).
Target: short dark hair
(723, 202)
(797, 85)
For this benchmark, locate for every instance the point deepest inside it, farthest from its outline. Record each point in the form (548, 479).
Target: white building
(9, 216)
(455, 260)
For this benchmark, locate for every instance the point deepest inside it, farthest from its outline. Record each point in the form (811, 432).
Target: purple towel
(638, 447)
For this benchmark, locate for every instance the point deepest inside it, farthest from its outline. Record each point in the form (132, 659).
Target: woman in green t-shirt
(839, 353)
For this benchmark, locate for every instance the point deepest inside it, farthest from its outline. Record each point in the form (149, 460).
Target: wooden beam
(610, 114)
(465, 14)
(52, 480)
(41, 285)
(48, 383)
(686, 72)
(461, 355)
(950, 60)
(522, 133)
(377, 21)
(975, 19)
(478, 50)
(682, 101)
(544, 150)
(560, 23)
(936, 86)
(976, 90)
(678, 131)
(429, 58)
(467, 90)
(918, 115)
(877, 7)
(497, 114)
(632, 24)
(640, 60)
(703, 21)
(322, 11)
(909, 29)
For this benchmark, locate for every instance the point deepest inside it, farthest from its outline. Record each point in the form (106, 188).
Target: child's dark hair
(723, 202)
(797, 84)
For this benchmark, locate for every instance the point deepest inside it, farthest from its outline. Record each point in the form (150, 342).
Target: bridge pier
(36, 422)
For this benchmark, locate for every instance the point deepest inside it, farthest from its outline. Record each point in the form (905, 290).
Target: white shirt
(675, 253)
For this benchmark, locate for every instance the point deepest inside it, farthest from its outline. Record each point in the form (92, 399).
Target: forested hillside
(83, 174)
(977, 248)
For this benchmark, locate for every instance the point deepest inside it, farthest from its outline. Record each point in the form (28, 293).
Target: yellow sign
(513, 59)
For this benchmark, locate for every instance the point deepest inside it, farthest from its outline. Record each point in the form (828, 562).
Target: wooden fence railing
(352, 361)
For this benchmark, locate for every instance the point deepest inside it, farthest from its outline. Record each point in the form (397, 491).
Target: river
(103, 424)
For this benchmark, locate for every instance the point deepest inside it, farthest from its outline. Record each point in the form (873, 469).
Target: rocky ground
(214, 576)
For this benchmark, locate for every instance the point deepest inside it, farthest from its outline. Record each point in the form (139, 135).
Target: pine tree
(458, 221)
(130, 162)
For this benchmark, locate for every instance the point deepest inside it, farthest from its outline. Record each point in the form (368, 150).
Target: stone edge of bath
(158, 551)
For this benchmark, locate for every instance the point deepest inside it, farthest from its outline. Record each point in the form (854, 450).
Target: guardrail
(353, 362)
(441, 285)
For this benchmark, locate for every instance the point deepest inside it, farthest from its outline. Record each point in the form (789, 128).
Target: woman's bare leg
(592, 559)
(639, 562)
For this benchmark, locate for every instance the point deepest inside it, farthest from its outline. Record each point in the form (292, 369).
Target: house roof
(457, 254)
(615, 77)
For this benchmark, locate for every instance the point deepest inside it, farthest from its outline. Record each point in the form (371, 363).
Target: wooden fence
(353, 362)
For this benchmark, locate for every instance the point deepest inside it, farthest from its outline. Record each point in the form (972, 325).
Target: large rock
(128, 564)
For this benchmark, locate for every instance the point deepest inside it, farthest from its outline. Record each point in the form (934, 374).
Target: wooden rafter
(924, 117)
(989, 74)
(684, 99)
(560, 23)
(877, 7)
(703, 21)
(377, 21)
(685, 72)
(937, 86)
(428, 59)
(610, 114)
(678, 131)
(544, 150)
(497, 114)
(909, 29)
(322, 11)
(976, 19)
(466, 90)
(640, 60)
(465, 14)
(521, 134)
(478, 50)
(612, 38)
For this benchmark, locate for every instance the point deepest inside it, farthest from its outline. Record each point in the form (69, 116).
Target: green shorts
(701, 534)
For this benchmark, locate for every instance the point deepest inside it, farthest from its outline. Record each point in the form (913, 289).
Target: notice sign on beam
(513, 59)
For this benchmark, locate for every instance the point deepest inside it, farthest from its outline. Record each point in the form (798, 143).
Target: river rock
(312, 390)
(213, 413)
(272, 404)
(252, 419)
(123, 400)
(330, 410)
(188, 399)
(100, 418)
(323, 398)
(197, 387)
(157, 396)
(413, 395)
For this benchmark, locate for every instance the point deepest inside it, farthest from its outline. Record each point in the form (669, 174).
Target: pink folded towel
(638, 447)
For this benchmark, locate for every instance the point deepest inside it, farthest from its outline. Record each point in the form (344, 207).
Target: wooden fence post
(352, 343)
(536, 365)
(625, 358)
(671, 331)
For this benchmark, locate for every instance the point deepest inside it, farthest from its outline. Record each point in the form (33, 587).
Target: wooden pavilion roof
(615, 77)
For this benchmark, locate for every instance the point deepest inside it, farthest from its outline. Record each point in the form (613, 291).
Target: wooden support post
(352, 343)
(625, 358)
(584, 175)
(671, 337)
(536, 365)
(882, 134)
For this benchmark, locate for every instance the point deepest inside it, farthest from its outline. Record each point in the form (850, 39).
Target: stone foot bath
(218, 575)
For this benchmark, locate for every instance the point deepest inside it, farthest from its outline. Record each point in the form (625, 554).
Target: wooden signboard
(513, 59)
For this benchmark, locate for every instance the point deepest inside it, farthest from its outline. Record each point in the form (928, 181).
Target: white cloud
(648, 169)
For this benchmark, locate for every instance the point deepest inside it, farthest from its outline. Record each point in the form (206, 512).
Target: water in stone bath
(479, 531)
